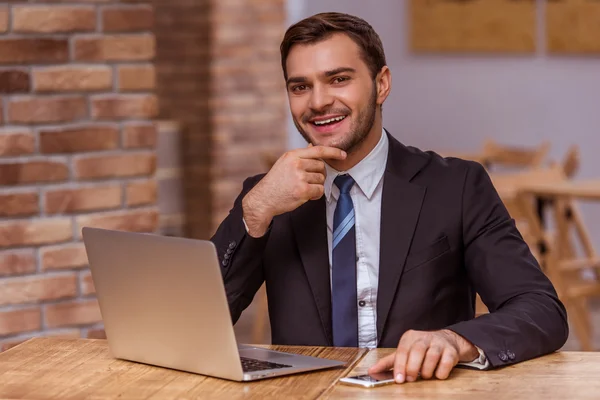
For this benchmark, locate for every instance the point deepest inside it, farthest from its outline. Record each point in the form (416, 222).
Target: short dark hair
(322, 26)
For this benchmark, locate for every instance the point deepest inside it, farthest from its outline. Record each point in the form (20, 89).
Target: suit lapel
(400, 207)
(310, 228)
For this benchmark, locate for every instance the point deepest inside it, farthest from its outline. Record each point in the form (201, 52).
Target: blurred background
(147, 116)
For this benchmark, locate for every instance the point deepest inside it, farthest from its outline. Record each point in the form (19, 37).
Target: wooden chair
(508, 186)
(564, 263)
(494, 155)
(499, 155)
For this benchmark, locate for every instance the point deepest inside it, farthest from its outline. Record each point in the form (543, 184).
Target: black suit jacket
(445, 235)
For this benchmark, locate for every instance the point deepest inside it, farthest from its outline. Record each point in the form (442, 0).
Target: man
(363, 241)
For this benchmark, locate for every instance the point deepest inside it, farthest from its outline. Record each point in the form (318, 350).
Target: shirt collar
(367, 173)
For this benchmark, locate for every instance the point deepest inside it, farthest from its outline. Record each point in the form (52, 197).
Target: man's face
(333, 98)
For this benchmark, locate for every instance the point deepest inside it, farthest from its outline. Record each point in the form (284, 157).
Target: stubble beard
(359, 130)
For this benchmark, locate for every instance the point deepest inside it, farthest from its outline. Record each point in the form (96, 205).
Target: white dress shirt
(366, 197)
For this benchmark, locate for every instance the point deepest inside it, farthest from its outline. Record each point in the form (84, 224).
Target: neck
(357, 154)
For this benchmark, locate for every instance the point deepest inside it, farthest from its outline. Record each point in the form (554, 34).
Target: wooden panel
(63, 369)
(573, 26)
(473, 26)
(567, 375)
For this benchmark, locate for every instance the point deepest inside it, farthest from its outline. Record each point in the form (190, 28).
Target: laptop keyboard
(250, 365)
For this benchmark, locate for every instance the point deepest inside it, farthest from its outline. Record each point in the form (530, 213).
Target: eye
(340, 79)
(298, 88)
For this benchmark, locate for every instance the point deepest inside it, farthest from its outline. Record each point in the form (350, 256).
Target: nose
(320, 98)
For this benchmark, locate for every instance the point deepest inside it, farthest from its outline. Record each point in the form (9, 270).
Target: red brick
(127, 18)
(35, 232)
(137, 135)
(68, 256)
(133, 221)
(55, 18)
(37, 288)
(22, 320)
(115, 48)
(16, 142)
(33, 172)
(3, 19)
(17, 262)
(73, 78)
(124, 106)
(19, 204)
(141, 193)
(38, 50)
(87, 283)
(47, 109)
(14, 81)
(79, 139)
(84, 312)
(96, 334)
(103, 197)
(137, 77)
(123, 165)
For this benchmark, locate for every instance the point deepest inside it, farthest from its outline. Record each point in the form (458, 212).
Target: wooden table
(72, 369)
(566, 375)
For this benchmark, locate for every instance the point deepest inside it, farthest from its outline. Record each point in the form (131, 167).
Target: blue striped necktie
(343, 286)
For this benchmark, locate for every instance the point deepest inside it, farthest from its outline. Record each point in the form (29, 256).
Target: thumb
(310, 145)
(386, 363)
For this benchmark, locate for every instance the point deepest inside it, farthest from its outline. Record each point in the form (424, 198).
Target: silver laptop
(163, 303)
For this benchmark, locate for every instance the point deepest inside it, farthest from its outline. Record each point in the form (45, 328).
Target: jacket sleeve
(526, 318)
(240, 255)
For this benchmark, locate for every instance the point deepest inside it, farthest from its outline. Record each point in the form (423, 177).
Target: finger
(315, 192)
(385, 364)
(312, 165)
(316, 178)
(448, 360)
(324, 152)
(400, 362)
(432, 358)
(416, 356)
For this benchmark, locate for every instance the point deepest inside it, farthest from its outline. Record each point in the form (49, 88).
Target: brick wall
(219, 77)
(77, 148)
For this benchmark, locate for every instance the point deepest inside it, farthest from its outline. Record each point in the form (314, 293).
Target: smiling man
(365, 242)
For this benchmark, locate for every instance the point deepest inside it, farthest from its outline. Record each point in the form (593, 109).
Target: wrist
(467, 351)
(256, 215)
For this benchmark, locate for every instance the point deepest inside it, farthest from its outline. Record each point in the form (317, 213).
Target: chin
(331, 140)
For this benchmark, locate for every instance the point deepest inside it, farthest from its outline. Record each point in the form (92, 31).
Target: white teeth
(330, 120)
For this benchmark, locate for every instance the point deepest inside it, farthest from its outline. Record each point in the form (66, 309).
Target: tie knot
(344, 183)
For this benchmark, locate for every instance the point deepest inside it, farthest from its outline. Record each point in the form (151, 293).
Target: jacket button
(511, 355)
(502, 356)
(226, 256)
(229, 251)
(362, 303)
(225, 263)
(232, 245)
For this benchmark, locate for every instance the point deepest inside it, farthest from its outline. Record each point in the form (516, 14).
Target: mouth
(328, 124)
(328, 121)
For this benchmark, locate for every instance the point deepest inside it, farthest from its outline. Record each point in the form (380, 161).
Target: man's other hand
(428, 354)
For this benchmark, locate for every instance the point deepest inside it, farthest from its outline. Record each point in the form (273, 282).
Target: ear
(383, 80)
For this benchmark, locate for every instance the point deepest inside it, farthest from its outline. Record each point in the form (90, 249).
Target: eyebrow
(301, 79)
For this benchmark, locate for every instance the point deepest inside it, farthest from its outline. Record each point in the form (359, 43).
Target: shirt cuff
(480, 362)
